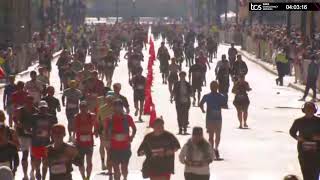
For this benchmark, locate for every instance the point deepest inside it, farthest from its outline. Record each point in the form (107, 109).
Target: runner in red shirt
(94, 90)
(117, 130)
(19, 97)
(85, 126)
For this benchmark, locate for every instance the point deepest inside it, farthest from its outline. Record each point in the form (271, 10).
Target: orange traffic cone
(153, 115)
(147, 105)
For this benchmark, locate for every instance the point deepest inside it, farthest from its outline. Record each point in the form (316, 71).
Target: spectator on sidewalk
(196, 155)
(312, 77)
(297, 64)
(282, 63)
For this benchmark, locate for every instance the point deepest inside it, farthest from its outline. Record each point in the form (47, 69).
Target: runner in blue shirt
(215, 102)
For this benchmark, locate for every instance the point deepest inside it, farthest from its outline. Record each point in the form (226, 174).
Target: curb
(291, 85)
(298, 88)
(258, 63)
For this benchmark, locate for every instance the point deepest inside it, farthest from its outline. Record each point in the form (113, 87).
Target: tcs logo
(255, 7)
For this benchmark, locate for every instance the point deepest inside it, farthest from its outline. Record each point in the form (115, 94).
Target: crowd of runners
(95, 107)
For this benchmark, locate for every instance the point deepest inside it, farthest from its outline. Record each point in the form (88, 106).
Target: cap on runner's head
(6, 173)
(73, 83)
(58, 129)
(43, 104)
(110, 93)
(83, 103)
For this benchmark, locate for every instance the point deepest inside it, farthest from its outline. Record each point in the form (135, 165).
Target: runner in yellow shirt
(104, 111)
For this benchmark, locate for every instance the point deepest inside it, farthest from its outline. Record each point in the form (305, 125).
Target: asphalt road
(263, 152)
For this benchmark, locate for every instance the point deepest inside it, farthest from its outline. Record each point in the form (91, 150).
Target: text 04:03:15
(296, 7)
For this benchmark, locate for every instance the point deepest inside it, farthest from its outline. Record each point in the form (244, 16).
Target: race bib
(120, 137)
(157, 152)
(196, 163)
(6, 163)
(35, 95)
(58, 169)
(309, 146)
(184, 99)
(140, 87)
(72, 106)
(85, 138)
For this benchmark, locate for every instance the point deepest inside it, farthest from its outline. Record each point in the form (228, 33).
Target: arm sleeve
(175, 142)
(183, 154)
(131, 123)
(143, 146)
(293, 130)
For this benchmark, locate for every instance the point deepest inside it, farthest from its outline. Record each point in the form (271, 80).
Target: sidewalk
(272, 69)
(31, 68)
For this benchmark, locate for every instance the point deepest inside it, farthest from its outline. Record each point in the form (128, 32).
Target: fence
(262, 49)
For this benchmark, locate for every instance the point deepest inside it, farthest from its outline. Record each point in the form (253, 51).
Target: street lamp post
(117, 10)
(289, 22)
(134, 10)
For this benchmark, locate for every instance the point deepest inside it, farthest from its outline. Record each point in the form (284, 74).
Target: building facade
(15, 21)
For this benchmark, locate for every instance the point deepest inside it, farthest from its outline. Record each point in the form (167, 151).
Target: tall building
(15, 21)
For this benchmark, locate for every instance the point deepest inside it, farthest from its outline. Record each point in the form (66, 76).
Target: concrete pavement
(289, 80)
(263, 152)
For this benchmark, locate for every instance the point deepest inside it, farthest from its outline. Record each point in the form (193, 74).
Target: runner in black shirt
(138, 84)
(61, 156)
(159, 148)
(164, 57)
(117, 89)
(23, 121)
(306, 130)
(232, 52)
(53, 103)
(195, 76)
(110, 64)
